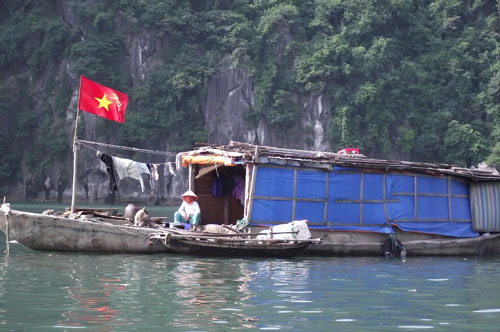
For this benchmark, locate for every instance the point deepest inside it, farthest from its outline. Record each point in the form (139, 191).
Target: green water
(41, 291)
(50, 291)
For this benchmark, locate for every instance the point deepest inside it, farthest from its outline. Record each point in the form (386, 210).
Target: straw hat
(189, 193)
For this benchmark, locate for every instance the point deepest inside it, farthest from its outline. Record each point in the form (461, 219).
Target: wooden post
(75, 156)
(7, 248)
(73, 192)
(190, 177)
(252, 183)
(75, 152)
(247, 189)
(7, 241)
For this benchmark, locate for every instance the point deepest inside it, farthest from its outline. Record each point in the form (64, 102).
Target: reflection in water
(55, 291)
(209, 294)
(93, 307)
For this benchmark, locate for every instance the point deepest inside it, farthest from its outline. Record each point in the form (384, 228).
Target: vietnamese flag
(102, 101)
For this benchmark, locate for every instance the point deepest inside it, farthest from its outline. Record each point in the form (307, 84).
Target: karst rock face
(229, 96)
(226, 103)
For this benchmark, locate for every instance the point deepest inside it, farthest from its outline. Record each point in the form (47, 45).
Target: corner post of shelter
(249, 197)
(190, 177)
(247, 189)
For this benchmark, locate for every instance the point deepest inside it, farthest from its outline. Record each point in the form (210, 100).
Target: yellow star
(103, 102)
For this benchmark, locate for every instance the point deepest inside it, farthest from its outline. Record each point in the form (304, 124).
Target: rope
(161, 153)
(88, 146)
(132, 233)
(96, 150)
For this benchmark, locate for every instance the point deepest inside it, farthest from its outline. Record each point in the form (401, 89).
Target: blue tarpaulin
(455, 229)
(352, 199)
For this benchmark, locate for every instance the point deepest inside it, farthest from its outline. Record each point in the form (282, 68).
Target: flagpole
(75, 151)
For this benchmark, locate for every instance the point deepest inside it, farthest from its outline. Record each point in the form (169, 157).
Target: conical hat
(189, 193)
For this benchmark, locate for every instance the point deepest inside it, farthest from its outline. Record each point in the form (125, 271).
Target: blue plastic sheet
(272, 211)
(456, 229)
(311, 184)
(357, 200)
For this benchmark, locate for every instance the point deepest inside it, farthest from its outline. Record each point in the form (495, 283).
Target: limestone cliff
(399, 81)
(226, 101)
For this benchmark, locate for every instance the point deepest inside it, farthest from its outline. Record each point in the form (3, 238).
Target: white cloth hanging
(129, 168)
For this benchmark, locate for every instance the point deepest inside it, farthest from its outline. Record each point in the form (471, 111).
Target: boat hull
(338, 243)
(229, 248)
(361, 244)
(54, 233)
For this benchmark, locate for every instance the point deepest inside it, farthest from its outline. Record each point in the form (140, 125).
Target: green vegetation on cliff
(414, 79)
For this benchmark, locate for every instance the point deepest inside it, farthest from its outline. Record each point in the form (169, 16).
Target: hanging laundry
(171, 169)
(154, 172)
(178, 160)
(108, 161)
(153, 169)
(238, 188)
(217, 187)
(129, 168)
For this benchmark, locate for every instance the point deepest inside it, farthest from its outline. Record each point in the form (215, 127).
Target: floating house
(352, 202)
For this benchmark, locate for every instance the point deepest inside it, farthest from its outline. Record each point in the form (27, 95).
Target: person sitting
(189, 211)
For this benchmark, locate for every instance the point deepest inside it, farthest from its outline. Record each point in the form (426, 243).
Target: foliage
(412, 79)
(32, 37)
(463, 144)
(18, 128)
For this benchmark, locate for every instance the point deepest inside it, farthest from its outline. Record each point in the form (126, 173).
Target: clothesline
(161, 153)
(100, 152)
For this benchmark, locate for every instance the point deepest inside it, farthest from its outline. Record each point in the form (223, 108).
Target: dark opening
(220, 193)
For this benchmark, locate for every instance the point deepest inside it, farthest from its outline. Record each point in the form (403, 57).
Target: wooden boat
(60, 233)
(108, 235)
(352, 202)
(232, 245)
(102, 233)
(367, 244)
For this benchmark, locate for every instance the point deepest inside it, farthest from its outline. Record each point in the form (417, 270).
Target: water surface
(44, 291)
(50, 291)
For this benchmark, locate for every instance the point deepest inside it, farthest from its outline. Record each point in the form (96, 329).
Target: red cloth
(102, 101)
(349, 151)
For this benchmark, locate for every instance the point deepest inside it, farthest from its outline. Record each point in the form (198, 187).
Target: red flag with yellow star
(103, 101)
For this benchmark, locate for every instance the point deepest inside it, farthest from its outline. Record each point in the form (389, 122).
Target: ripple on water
(270, 328)
(69, 327)
(486, 311)
(416, 327)
(230, 309)
(294, 292)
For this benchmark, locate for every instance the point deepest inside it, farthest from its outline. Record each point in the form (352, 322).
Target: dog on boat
(141, 218)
